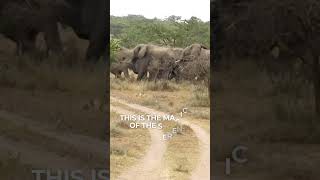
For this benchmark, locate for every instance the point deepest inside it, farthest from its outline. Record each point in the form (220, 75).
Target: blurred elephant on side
(22, 21)
(88, 19)
(27, 18)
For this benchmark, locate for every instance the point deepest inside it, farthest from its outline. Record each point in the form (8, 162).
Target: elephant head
(124, 55)
(193, 51)
(158, 61)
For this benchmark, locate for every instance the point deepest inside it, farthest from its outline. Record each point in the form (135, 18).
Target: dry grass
(163, 95)
(23, 133)
(186, 95)
(200, 97)
(248, 111)
(127, 146)
(182, 152)
(12, 168)
(51, 92)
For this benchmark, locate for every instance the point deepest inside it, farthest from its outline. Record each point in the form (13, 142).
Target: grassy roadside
(167, 96)
(126, 146)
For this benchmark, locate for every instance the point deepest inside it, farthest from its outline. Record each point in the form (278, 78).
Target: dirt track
(201, 172)
(151, 167)
(56, 150)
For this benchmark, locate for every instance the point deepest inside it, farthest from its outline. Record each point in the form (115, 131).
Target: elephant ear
(196, 49)
(142, 51)
(204, 47)
(187, 50)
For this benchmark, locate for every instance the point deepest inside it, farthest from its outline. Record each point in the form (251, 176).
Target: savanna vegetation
(172, 31)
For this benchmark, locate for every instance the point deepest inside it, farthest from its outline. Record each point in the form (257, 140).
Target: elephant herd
(155, 62)
(22, 20)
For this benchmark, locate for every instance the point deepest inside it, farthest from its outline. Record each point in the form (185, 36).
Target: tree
(172, 31)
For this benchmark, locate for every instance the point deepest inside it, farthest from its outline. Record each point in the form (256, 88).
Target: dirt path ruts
(92, 151)
(85, 144)
(202, 171)
(151, 166)
(37, 157)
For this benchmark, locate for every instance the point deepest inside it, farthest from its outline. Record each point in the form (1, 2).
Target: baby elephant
(117, 68)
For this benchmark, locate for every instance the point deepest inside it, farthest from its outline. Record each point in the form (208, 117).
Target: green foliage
(114, 47)
(172, 31)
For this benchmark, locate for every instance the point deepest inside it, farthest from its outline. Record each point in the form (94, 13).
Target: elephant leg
(117, 73)
(28, 41)
(93, 52)
(142, 67)
(52, 38)
(141, 75)
(19, 50)
(98, 43)
(27, 45)
(153, 75)
(126, 73)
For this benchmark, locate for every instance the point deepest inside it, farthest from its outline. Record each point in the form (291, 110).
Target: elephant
(22, 21)
(194, 63)
(89, 20)
(117, 68)
(146, 59)
(155, 60)
(124, 55)
(193, 51)
(176, 53)
(205, 54)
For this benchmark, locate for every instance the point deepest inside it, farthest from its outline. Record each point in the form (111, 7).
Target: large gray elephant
(145, 59)
(155, 60)
(21, 21)
(194, 63)
(88, 19)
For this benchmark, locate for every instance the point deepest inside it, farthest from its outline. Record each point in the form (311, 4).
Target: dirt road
(151, 166)
(201, 172)
(42, 146)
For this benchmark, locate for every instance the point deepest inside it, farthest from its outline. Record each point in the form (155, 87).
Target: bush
(114, 47)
